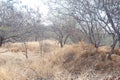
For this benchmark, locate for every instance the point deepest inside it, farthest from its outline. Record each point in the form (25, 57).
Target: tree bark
(112, 49)
(1, 41)
(26, 50)
(61, 43)
(65, 40)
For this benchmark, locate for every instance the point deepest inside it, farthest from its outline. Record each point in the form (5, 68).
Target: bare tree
(94, 16)
(8, 16)
(110, 19)
(81, 11)
(15, 22)
(63, 27)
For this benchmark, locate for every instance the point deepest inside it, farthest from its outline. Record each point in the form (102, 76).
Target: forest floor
(47, 61)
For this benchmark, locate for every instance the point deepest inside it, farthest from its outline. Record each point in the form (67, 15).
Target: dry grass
(73, 62)
(82, 57)
(45, 46)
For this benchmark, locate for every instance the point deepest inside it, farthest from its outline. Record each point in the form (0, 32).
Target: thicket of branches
(19, 23)
(94, 21)
(97, 19)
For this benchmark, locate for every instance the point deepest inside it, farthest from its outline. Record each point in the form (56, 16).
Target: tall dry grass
(81, 57)
(79, 61)
(45, 45)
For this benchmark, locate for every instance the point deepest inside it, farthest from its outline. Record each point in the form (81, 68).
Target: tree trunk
(96, 45)
(112, 49)
(60, 39)
(41, 47)
(65, 40)
(119, 42)
(36, 38)
(1, 41)
(26, 51)
(61, 44)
